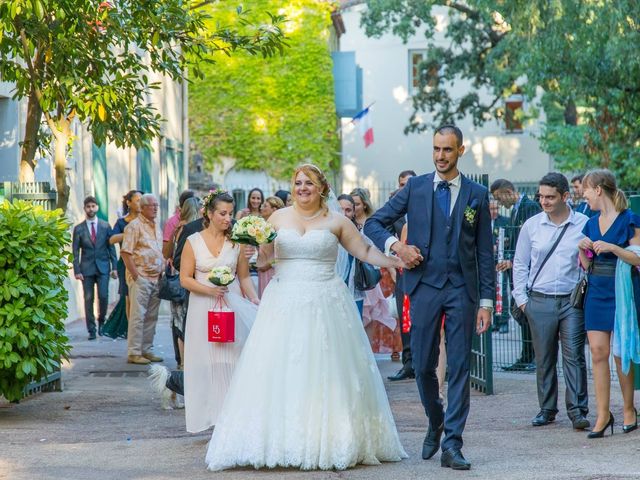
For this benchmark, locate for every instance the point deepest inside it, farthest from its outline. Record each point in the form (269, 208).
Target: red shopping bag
(221, 325)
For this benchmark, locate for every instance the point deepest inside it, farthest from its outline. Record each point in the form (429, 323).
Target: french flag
(363, 120)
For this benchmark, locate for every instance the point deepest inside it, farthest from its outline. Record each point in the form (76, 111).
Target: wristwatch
(490, 309)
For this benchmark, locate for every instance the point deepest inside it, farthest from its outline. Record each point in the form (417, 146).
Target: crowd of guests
(569, 230)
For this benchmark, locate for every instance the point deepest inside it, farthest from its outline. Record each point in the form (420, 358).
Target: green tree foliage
(91, 61)
(575, 59)
(270, 114)
(33, 299)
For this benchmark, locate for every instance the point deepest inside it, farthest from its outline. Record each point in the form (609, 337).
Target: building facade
(389, 77)
(107, 172)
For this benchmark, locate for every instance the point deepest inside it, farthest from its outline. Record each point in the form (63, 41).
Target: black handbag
(365, 276)
(516, 312)
(170, 288)
(579, 292)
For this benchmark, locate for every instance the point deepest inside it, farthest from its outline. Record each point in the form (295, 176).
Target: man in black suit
(93, 260)
(406, 371)
(501, 320)
(522, 208)
(450, 271)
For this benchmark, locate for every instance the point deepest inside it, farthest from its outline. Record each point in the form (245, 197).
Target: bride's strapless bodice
(309, 257)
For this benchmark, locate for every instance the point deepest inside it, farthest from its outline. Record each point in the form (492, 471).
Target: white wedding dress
(306, 391)
(208, 367)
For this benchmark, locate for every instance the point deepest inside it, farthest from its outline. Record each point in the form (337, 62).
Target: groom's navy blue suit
(457, 271)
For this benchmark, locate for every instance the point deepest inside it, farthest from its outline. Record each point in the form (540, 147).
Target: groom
(449, 252)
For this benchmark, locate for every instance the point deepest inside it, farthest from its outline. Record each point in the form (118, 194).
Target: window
(415, 58)
(512, 106)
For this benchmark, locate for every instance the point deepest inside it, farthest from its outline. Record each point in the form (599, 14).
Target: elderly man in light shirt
(547, 304)
(142, 254)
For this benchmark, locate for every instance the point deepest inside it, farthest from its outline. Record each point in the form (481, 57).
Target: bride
(306, 391)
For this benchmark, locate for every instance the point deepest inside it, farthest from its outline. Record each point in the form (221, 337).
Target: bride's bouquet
(253, 230)
(221, 276)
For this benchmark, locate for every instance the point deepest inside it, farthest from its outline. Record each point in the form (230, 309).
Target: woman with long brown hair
(608, 233)
(117, 323)
(208, 367)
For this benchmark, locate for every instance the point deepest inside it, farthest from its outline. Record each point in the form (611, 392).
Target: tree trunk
(62, 135)
(30, 143)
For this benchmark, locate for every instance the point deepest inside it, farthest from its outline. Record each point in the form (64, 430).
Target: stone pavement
(106, 424)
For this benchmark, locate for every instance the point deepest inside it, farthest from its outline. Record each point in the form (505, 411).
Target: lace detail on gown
(306, 392)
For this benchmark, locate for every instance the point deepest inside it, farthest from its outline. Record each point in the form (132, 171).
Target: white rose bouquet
(253, 230)
(221, 276)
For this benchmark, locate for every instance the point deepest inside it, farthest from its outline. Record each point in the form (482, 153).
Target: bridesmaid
(116, 325)
(266, 254)
(608, 233)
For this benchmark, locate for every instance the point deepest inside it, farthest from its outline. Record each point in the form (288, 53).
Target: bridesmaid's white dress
(208, 367)
(306, 392)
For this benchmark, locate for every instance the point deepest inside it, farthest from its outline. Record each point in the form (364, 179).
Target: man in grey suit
(93, 260)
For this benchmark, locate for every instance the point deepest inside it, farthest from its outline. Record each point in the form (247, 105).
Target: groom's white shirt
(454, 187)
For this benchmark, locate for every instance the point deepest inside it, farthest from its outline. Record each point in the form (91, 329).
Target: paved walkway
(106, 424)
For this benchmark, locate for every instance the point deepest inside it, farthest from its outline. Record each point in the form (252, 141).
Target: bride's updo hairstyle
(318, 179)
(604, 179)
(210, 203)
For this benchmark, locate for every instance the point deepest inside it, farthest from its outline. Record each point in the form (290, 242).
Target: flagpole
(339, 129)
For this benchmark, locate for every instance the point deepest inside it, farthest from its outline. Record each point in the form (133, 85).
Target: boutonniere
(470, 211)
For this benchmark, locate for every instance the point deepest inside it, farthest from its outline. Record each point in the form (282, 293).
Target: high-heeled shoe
(600, 433)
(633, 426)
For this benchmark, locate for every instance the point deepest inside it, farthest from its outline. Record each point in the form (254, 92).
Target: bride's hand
(219, 292)
(255, 301)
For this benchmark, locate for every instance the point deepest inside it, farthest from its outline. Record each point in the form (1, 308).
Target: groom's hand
(483, 321)
(409, 254)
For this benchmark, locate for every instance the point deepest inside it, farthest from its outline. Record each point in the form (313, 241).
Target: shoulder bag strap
(553, 248)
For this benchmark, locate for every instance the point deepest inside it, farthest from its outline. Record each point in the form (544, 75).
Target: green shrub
(33, 300)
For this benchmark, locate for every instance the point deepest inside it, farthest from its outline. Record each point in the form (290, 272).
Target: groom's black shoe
(431, 442)
(403, 374)
(452, 458)
(544, 418)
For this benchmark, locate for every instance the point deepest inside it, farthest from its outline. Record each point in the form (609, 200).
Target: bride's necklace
(309, 217)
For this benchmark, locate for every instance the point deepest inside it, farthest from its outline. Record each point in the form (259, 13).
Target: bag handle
(553, 248)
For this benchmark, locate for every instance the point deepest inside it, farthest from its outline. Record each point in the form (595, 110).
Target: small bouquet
(253, 230)
(221, 276)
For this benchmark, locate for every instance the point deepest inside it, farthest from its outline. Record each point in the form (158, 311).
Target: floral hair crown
(212, 195)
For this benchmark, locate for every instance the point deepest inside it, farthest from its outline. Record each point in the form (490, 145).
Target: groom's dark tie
(443, 197)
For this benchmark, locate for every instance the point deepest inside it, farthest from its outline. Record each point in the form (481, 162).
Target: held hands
(603, 247)
(504, 265)
(483, 320)
(409, 255)
(79, 276)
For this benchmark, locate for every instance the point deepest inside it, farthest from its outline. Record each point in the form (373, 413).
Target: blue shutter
(144, 168)
(347, 77)
(100, 185)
